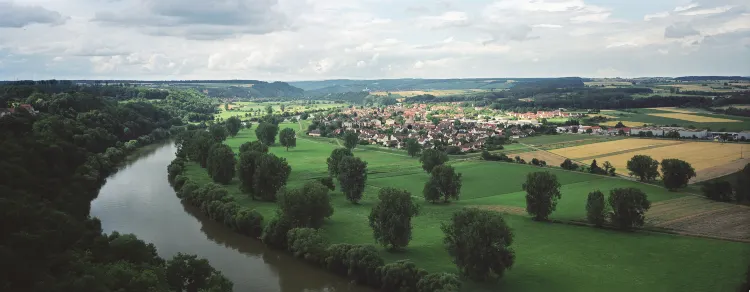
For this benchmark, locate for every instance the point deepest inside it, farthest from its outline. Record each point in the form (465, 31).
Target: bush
(401, 275)
(629, 206)
(249, 222)
(363, 262)
(274, 235)
(328, 182)
(569, 165)
(390, 218)
(306, 243)
(175, 168)
(336, 258)
(596, 208)
(178, 182)
(307, 206)
(444, 282)
(718, 191)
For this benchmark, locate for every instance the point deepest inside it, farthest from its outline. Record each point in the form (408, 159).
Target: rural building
(314, 133)
(655, 131)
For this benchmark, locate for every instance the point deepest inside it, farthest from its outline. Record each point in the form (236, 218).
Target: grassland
(549, 257)
(436, 92)
(239, 109)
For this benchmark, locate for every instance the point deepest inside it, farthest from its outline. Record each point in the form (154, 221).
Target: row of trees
(724, 191)
(54, 163)
(675, 173)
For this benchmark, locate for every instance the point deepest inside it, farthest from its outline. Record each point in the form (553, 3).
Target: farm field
(626, 123)
(548, 142)
(436, 92)
(660, 262)
(601, 149)
(685, 118)
(239, 108)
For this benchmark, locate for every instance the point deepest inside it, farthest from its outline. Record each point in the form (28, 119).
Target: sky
(370, 39)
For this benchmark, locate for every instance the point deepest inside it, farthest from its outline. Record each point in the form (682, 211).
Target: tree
(672, 135)
(218, 132)
(743, 185)
(363, 262)
(431, 158)
(333, 161)
(288, 138)
(619, 125)
(266, 133)
(188, 273)
(350, 139)
(390, 218)
(256, 146)
(444, 183)
(271, 173)
(644, 167)
(402, 275)
(304, 116)
(569, 165)
(596, 208)
(249, 222)
(352, 177)
(444, 282)
(283, 107)
(328, 183)
(676, 173)
(246, 170)
(276, 231)
(479, 242)
(542, 192)
(221, 164)
(233, 125)
(718, 191)
(607, 166)
(308, 244)
(307, 206)
(269, 110)
(413, 147)
(629, 206)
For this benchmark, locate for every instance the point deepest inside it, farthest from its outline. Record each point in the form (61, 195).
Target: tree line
(54, 163)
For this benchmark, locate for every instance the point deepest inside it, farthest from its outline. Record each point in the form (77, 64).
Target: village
(446, 125)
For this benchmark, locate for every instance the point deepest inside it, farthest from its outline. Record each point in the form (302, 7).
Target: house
(314, 133)
(390, 122)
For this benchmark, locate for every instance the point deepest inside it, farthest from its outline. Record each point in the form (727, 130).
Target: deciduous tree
(246, 170)
(479, 242)
(308, 206)
(352, 177)
(221, 164)
(390, 218)
(350, 139)
(271, 173)
(431, 158)
(412, 147)
(676, 173)
(644, 167)
(233, 125)
(402, 275)
(596, 208)
(444, 183)
(257, 146)
(266, 133)
(629, 206)
(218, 132)
(542, 192)
(288, 138)
(333, 161)
(743, 185)
(188, 273)
(444, 282)
(718, 191)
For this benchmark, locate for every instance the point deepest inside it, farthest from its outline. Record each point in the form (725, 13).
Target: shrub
(328, 182)
(175, 168)
(249, 222)
(444, 282)
(363, 262)
(629, 206)
(595, 208)
(274, 235)
(718, 191)
(401, 275)
(569, 165)
(307, 206)
(336, 259)
(306, 243)
(178, 182)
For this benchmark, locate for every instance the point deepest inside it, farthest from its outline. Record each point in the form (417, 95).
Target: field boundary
(630, 150)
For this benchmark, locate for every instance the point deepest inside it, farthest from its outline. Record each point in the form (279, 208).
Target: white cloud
(545, 25)
(447, 19)
(648, 17)
(16, 15)
(714, 10)
(686, 7)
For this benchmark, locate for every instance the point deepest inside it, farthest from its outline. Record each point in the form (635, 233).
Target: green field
(549, 257)
(642, 116)
(241, 107)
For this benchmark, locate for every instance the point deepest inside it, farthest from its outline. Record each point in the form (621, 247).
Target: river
(139, 200)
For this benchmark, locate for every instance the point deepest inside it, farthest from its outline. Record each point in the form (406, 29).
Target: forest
(54, 160)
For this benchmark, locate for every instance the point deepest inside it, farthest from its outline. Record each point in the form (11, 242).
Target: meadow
(549, 256)
(436, 92)
(680, 117)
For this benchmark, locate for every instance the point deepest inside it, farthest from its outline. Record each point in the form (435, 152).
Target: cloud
(648, 17)
(679, 30)
(15, 15)
(714, 10)
(196, 19)
(686, 7)
(445, 20)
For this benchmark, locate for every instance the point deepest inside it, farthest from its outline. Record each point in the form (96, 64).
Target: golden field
(598, 149)
(439, 92)
(626, 123)
(694, 118)
(672, 109)
(701, 155)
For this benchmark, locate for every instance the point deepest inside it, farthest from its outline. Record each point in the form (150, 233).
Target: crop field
(685, 118)
(549, 257)
(742, 106)
(699, 215)
(591, 151)
(548, 142)
(695, 118)
(626, 123)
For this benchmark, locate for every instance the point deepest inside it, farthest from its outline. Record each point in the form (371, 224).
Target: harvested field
(700, 216)
(719, 170)
(591, 151)
(701, 155)
(695, 118)
(551, 158)
(673, 109)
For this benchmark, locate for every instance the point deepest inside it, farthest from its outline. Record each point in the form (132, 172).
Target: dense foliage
(333, 161)
(629, 206)
(596, 212)
(444, 183)
(542, 192)
(53, 163)
(390, 218)
(307, 206)
(742, 193)
(479, 242)
(350, 139)
(644, 167)
(431, 158)
(718, 191)
(676, 173)
(220, 163)
(288, 138)
(352, 175)
(266, 133)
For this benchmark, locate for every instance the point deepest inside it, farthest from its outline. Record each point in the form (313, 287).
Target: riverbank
(545, 253)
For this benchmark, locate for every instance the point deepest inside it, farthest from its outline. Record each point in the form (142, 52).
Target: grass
(668, 116)
(549, 257)
(239, 109)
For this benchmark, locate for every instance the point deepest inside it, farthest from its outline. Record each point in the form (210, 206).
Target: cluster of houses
(9, 111)
(391, 127)
(543, 115)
